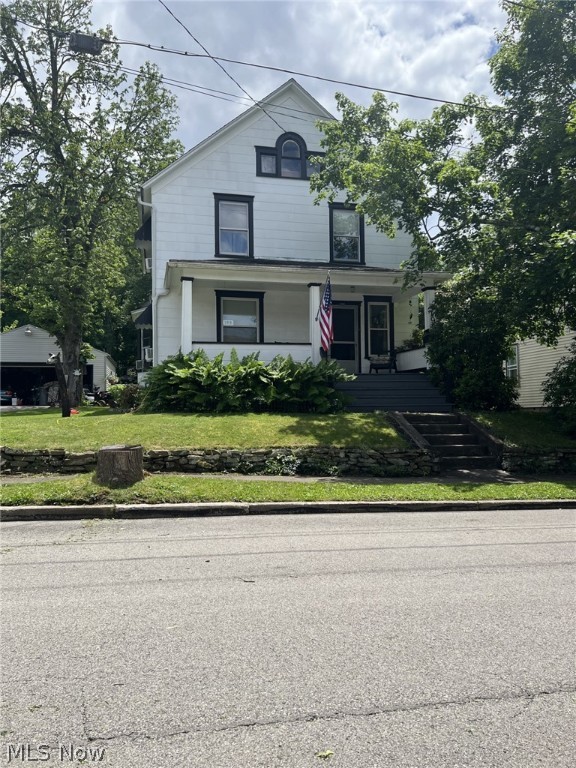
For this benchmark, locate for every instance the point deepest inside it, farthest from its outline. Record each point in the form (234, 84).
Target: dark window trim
(259, 295)
(220, 197)
(276, 151)
(378, 300)
(343, 207)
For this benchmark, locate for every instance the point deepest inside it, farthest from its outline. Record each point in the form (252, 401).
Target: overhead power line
(176, 52)
(189, 54)
(217, 62)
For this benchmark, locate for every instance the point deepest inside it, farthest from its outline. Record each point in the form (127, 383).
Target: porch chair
(383, 363)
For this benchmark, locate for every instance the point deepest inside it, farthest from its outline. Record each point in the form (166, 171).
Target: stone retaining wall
(275, 461)
(560, 460)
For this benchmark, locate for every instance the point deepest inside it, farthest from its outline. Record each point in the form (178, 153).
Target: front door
(345, 347)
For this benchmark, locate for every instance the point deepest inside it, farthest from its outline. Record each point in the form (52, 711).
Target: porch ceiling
(292, 277)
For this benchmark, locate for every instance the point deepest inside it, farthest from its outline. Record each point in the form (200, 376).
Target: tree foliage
(468, 343)
(560, 391)
(77, 141)
(486, 191)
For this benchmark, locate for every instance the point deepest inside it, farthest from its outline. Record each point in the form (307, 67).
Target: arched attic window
(288, 159)
(291, 155)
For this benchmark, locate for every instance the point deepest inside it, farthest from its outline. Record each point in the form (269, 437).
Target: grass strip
(526, 429)
(94, 427)
(157, 489)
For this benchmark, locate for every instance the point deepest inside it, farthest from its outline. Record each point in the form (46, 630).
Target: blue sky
(432, 48)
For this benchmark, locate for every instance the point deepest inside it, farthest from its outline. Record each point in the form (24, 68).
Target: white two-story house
(239, 251)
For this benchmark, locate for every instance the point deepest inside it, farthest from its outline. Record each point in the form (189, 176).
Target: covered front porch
(271, 309)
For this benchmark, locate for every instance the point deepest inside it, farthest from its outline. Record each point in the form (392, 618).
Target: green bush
(467, 345)
(195, 384)
(126, 396)
(560, 391)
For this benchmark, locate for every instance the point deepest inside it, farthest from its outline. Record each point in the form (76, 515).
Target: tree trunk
(119, 466)
(70, 345)
(62, 386)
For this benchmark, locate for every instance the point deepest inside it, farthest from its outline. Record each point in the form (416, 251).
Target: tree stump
(119, 466)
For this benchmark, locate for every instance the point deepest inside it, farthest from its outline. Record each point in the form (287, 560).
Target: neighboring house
(529, 365)
(25, 369)
(239, 252)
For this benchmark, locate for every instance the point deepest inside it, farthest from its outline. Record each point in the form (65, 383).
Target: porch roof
(298, 273)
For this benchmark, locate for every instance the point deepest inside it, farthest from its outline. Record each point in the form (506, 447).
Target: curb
(210, 509)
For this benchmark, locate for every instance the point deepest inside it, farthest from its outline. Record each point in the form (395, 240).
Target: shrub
(468, 343)
(194, 383)
(126, 396)
(560, 391)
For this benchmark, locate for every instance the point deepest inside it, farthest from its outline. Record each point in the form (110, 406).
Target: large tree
(77, 141)
(486, 191)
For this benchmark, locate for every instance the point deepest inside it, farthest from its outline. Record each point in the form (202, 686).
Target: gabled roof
(290, 87)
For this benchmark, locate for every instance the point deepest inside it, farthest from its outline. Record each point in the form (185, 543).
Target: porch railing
(411, 360)
(267, 352)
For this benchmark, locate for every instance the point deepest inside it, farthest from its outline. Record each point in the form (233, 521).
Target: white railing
(267, 352)
(411, 360)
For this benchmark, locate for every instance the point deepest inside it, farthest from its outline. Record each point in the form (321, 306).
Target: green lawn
(94, 427)
(156, 489)
(526, 429)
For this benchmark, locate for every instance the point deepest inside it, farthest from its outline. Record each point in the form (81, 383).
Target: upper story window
(289, 159)
(234, 225)
(346, 235)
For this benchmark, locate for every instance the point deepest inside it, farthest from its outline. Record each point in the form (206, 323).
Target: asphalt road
(409, 640)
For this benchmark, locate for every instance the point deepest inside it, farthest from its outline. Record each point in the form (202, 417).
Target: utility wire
(217, 62)
(163, 49)
(216, 94)
(217, 59)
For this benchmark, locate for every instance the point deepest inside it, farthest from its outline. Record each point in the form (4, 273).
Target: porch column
(186, 316)
(314, 300)
(429, 294)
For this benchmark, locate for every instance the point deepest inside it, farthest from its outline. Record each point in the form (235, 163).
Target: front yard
(94, 427)
(526, 429)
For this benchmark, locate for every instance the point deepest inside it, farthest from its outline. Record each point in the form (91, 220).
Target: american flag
(325, 316)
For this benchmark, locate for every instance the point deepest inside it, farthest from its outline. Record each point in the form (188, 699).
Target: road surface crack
(526, 697)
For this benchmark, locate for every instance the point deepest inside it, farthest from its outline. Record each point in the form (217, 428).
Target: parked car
(6, 396)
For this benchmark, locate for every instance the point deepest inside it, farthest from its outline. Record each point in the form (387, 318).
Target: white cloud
(437, 49)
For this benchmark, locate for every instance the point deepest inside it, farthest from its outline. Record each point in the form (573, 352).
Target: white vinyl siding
(287, 224)
(534, 362)
(17, 346)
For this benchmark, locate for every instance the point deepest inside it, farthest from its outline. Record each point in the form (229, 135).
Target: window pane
(312, 168)
(234, 215)
(378, 316)
(345, 222)
(234, 335)
(240, 321)
(233, 242)
(268, 164)
(241, 308)
(346, 249)
(290, 149)
(378, 342)
(291, 168)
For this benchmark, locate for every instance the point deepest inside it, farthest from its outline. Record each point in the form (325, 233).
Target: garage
(24, 369)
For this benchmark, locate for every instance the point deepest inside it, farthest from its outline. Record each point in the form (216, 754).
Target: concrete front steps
(452, 440)
(393, 392)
